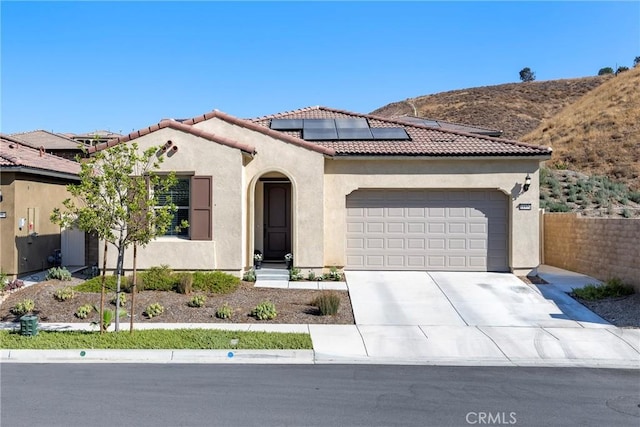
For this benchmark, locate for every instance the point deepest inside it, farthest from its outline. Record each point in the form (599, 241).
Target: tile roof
(172, 124)
(48, 140)
(15, 154)
(425, 140)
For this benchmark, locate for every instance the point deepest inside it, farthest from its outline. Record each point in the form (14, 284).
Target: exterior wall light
(527, 183)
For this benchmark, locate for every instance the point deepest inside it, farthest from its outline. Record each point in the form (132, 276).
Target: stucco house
(336, 188)
(32, 184)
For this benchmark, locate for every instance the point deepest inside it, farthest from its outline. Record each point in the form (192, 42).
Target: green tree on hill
(605, 70)
(526, 75)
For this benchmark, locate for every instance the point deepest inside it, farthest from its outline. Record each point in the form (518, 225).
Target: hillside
(515, 108)
(599, 134)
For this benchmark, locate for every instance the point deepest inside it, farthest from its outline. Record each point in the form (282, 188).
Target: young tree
(621, 69)
(113, 199)
(605, 70)
(636, 61)
(526, 75)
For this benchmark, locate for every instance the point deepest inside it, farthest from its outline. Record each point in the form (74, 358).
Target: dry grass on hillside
(600, 133)
(514, 108)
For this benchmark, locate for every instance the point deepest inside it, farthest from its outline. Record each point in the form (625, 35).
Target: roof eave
(41, 172)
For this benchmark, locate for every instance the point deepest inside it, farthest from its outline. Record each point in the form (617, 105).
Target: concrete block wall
(599, 247)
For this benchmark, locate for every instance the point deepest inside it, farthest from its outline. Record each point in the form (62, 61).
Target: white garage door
(452, 230)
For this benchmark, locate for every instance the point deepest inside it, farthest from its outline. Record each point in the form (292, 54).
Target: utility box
(29, 325)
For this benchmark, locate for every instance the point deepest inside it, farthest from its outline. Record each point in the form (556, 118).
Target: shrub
(224, 312)
(3, 279)
(122, 299)
(84, 311)
(107, 317)
(333, 274)
(64, 293)
(154, 310)
(613, 288)
(23, 307)
(295, 274)
(158, 279)
(634, 196)
(328, 303)
(215, 282)
(13, 285)
(184, 283)
(197, 301)
(626, 213)
(249, 276)
(58, 273)
(266, 310)
(95, 284)
(311, 276)
(558, 207)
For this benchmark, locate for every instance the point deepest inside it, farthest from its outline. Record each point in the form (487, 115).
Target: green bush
(557, 207)
(23, 307)
(84, 311)
(184, 283)
(295, 274)
(58, 273)
(64, 294)
(266, 310)
(328, 302)
(613, 288)
(95, 284)
(154, 310)
(250, 276)
(333, 274)
(107, 317)
(215, 282)
(158, 279)
(311, 275)
(224, 312)
(122, 299)
(197, 301)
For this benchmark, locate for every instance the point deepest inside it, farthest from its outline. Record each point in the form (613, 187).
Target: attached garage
(450, 230)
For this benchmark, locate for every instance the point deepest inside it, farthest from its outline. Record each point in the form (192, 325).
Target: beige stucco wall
(304, 168)
(33, 198)
(603, 248)
(197, 156)
(342, 177)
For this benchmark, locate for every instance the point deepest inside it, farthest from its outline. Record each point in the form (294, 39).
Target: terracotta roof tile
(425, 141)
(14, 154)
(46, 139)
(177, 126)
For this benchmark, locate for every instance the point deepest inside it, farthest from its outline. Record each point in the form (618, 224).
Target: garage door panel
(427, 229)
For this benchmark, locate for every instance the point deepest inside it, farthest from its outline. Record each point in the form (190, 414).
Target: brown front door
(277, 220)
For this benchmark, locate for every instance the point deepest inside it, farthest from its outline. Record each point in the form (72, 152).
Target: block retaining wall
(599, 247)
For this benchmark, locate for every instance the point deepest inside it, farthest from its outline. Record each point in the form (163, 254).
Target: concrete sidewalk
(479, 319)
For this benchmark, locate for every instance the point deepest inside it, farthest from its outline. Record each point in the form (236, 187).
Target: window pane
(178, 194)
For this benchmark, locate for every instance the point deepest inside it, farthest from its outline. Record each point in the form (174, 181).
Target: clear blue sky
(82, 66)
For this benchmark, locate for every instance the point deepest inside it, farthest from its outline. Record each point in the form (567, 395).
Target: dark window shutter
(200, 223)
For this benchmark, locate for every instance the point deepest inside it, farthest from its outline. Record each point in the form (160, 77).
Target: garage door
(451, 230)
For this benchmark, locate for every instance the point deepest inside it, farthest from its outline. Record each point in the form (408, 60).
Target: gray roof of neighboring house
(46, 139)
(16, 155)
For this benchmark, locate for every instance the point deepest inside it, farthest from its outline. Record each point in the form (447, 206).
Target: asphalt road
(119, 395)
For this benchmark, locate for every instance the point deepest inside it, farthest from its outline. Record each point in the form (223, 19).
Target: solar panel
(286, 124)
(319, 134)
(319, 124)
(389, 133)
(352, 123)
(354, 133)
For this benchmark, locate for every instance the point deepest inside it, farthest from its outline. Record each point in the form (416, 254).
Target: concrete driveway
(459, 299)
(470, 318)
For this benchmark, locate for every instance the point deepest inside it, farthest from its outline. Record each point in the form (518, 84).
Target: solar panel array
(339, 129)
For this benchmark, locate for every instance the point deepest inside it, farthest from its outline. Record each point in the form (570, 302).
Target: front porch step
(272, 274)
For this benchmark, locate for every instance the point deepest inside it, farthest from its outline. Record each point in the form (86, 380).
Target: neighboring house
(93, 138)
(32, 184)
(343, 189)
(456, 127)
(53, 143)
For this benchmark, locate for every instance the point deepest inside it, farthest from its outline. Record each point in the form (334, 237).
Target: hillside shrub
(23, 307)
(197, 301)
(13, 285)
(95, 284)
(154, 310)
(121, 299)
(84, 311)
(158, 279)
(224, 312)
(215, 282)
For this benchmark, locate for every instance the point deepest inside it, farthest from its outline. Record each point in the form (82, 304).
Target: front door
(277, 220)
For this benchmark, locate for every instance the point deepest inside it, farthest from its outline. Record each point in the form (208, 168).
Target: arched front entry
(273, 216)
